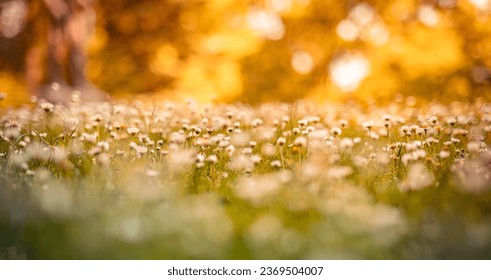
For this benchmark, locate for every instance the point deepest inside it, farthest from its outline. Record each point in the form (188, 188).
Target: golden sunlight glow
(236, 43)
(363, 23)
(348, 71)
(362, 14)
(378, 34)
(266, 24)
(347, 30)
(428, 15)
(481, 4)
(279, 6)
(253, 51)
(166, 61)
(245, 129)
(302, 62)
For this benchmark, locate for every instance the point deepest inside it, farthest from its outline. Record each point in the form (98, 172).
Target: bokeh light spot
(347, 30)
(428, 15)
(12, 14)
(481, 4)
(348, 71)
(266, 24)
(302, 62)
(362, 14)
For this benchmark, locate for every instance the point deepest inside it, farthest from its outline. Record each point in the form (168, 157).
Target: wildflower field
(162, 180)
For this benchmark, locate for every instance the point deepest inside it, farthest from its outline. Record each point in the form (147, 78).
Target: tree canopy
(270, 50)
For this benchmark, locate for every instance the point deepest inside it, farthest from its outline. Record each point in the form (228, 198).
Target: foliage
(283, 49)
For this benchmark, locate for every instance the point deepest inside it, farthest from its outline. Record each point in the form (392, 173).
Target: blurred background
(267, 50)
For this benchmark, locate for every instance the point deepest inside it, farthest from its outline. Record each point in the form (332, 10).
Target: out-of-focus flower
(474, 175)
(47, 107)
(418, 178)
(276, 164)
(133, 131)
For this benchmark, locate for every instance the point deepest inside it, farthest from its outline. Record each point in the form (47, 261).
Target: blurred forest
(269, 50)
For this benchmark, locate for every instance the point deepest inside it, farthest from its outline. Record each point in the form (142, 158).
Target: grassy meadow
(164, 180)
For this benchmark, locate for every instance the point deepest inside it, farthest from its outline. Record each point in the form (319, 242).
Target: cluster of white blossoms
(333, 161)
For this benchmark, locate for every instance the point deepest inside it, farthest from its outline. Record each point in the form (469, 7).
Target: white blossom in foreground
(418, 178)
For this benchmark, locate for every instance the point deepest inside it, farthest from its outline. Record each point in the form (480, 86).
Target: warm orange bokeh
(257, 51)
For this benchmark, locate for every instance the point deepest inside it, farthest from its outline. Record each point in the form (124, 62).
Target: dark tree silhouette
(71, 23)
